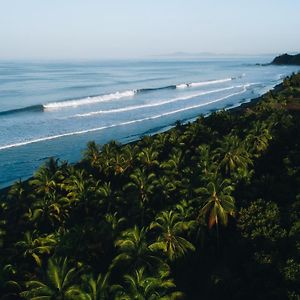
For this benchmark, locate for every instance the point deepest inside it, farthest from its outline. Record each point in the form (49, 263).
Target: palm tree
(18, 202)
(96, 288)
(3, 222)
(47, 211)
(43, 183)
(81, 190)
(92, 155)
(258, 138)
(129, 154)
(139, 286)
(35, 246)
(164, 187)
(205, 160)
(59, 282)
(232, 155)
(47, 178)
(170, 241)
(148, 158)
(114, 221)
(108, 151)
(117, 164)
(217, 202)
(133, 249)
(173, 164)
(142, 186)
(9, 287)
(107, 197)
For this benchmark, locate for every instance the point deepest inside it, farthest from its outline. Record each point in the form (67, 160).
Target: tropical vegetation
(206, 210)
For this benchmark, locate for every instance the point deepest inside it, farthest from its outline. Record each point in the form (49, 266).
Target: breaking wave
(89, 100)
(120, 124)
(150, 105)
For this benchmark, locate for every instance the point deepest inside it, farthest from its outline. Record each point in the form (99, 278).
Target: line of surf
(121, 124)
(119, 95)
(104, 98)
(88, 100)
(150, 105)
(203, 83)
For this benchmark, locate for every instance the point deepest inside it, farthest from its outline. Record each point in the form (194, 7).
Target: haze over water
(52, 109)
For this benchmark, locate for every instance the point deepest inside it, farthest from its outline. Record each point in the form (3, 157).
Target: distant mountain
(286, 59)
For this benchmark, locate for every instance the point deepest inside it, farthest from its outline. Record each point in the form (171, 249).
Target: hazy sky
(136, 28)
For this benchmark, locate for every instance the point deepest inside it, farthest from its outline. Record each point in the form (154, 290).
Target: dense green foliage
(206, 210)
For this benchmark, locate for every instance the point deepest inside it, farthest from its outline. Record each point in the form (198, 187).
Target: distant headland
(286, 59)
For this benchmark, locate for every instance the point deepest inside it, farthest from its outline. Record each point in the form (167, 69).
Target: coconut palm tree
(205, 160)
(92, 155)
(164, 187)
(9, 287)
(173, 164)
(258, 139)
(81, 190)
(129, 154)
(117, 164)
(35, 246)
(59, 282)
(142, 186)
(232, 155)
(148, 158)
(134, 251)
(47, 211)
(139, 286)
(96, 288)
(217, 202)
(47, 178)
(170, 241)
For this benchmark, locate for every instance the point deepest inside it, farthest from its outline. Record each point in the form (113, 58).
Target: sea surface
(52, 109)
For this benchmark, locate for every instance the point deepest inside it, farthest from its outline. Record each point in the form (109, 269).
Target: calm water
(54, 109)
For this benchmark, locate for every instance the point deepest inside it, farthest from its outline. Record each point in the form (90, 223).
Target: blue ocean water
(52, 109)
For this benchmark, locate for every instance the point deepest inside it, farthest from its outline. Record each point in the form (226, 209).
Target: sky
(95, 29)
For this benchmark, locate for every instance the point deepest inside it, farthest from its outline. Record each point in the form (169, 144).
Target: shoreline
(236, 109)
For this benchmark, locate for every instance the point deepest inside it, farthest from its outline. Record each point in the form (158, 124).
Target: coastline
(235, 109)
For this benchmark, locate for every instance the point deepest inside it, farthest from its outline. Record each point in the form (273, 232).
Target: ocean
(52, 109)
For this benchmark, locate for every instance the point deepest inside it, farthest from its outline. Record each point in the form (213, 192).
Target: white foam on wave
(134, 107)
(182, 86)
(88, 100)
(203, 83)
(120, 124)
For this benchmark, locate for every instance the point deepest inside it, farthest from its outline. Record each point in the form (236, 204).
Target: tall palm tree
(106, 195)
(164, 187)
(232, 155)
(35, 246)
(142, 186)
(173, 164)
(148, 158)
(3, 222)
(217, 202)
(96, 288)
(47, 211)
(205, 160)
(59, 282)
(139, 286)
(258, 139)
(170, 241)
(92, 155)
(43, 182)
(47, 178)
(134, 251)
(129, 153)
(81, 190)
